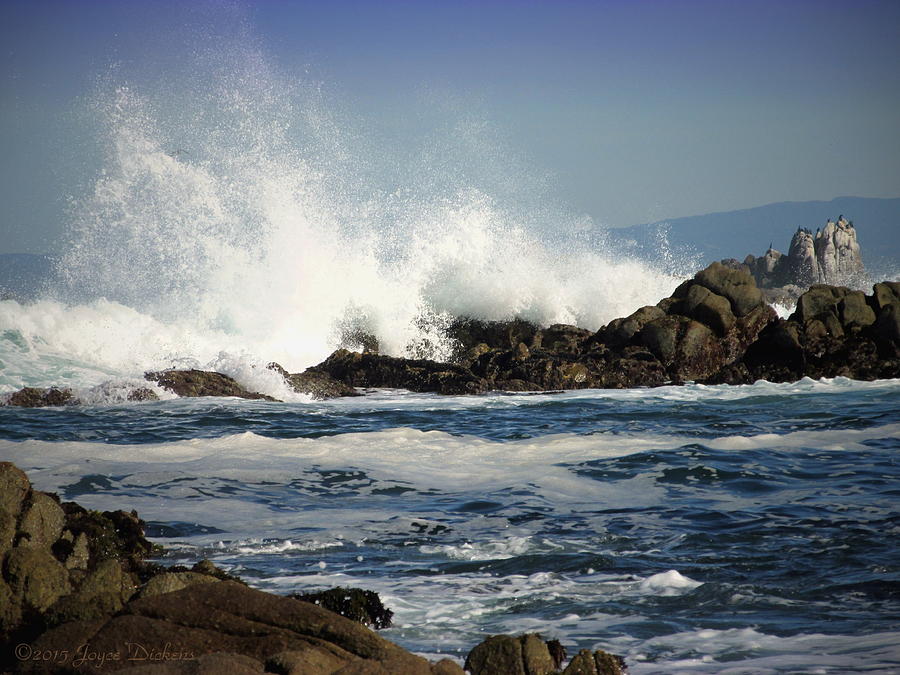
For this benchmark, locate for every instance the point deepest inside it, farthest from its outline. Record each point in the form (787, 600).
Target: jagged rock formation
(830, 256)
(201, 383)
(835, 331)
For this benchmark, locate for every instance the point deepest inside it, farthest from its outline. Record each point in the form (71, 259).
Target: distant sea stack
(830, 256)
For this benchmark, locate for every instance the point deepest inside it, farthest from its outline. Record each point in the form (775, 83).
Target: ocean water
(691, 529)
(242, 217)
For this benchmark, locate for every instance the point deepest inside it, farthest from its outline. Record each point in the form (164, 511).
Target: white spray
(233, 224)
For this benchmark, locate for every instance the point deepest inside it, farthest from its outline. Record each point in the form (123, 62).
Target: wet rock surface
(317, 384)
(834, 331)
(31, 397)
(529, 654)
(357, 604)
(706, 324)
(201, 383)
(375, 370)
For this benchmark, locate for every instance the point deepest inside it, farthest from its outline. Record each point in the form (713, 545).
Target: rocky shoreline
(77, 594)
(715, 328)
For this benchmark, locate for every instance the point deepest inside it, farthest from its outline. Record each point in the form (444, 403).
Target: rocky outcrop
(529, 654)
(716, 327)
(240, 627)
(354, 603)
(201, 383)
(421, 375)
(835, 331)
(190, 383)
(32, 397)
(59, 562)
(830, 256)
(317, 384)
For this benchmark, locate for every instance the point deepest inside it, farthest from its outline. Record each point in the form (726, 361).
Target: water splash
(236, 212)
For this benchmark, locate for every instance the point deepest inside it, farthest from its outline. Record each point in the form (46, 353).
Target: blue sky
(630, 111)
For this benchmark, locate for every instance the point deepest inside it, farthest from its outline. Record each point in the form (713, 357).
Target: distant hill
(734, 234)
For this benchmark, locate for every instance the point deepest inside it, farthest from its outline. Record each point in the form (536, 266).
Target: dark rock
(169, 582)
(36, 578)
(557, 653)
(619, 332)
(835, 331)
(884, 294)
(637, 367)
(518, 370)
(10, 611)
(210, 570)
(421, 375)
(736, 286)
(208, 664)
(14, 490)
(495, 334)
(320, 385)
(688, 349)
(708, 308)
(42, 522)
(354, 603)
(192, 383)
(817, 301)
(30, 397)
(524, 655)
(227, 617)
(598, 663)
(854, 312)
(838, 308)
(887, 326)
(111, 534)
(564, 339)
(446, 667)
(142, 394)
(102, 593)
(312, 659)
(201, 620)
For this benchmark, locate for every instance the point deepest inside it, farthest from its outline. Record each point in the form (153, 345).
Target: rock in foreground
(529, 654)
(243, 629)
(76, 595)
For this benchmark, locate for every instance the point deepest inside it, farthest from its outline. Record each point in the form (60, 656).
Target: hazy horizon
(623, 113)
